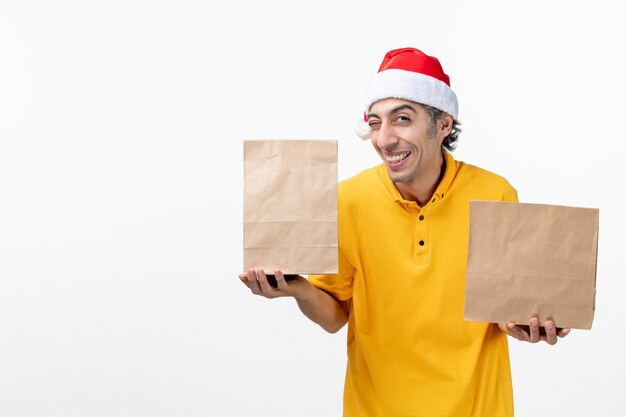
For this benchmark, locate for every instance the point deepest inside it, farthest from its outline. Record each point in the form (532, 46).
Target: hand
(533, 333)
(273, 287)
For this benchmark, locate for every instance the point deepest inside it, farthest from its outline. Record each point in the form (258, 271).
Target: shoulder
(367, 192)
(364, 183)
(484, 181)
(474, 173)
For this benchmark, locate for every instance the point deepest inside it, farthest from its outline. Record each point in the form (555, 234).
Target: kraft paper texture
(531, 259)
(290, 206)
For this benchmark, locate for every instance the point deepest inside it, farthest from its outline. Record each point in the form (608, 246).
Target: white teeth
(397, 158)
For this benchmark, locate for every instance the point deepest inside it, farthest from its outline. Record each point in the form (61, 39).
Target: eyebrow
(395, 110)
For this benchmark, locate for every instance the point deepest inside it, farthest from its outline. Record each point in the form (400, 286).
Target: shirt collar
(451, 168)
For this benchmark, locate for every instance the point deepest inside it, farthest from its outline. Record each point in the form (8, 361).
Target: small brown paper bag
(531, 259)
(290, 206)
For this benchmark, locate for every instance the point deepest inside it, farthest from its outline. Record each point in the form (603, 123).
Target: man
(403, 238)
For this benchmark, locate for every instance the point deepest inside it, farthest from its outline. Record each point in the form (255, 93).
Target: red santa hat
(409, 74)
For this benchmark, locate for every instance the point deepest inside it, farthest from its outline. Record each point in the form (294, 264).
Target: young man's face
(400, 135)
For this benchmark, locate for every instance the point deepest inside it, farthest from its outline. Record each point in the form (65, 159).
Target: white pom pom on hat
(409, 74)
(362, 129)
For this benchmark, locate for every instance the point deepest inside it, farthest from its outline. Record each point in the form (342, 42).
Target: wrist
(304, 291)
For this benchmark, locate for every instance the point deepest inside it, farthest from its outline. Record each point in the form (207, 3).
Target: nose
(385, 135)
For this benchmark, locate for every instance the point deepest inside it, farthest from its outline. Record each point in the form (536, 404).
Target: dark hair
(450, 141)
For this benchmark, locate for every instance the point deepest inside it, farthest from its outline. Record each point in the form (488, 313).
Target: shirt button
(421, 243)
(421, 217)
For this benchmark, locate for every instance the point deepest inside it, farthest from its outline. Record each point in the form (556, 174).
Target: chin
(407, 176)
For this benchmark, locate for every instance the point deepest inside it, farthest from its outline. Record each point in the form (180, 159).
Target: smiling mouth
(394, 159)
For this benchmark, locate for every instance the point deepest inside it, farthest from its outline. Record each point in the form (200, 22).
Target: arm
(532, 333)
(320, 307)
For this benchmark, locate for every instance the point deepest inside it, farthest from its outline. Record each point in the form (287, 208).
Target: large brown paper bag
(290, 206)
(531, 259)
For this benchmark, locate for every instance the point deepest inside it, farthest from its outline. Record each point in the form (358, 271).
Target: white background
(121, 129)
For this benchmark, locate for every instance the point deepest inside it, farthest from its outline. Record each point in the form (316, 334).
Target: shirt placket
(420, 241)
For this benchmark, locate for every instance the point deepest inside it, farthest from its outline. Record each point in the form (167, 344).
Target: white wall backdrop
(121, 129)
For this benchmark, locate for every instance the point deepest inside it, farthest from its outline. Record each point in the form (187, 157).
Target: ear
(445, 125)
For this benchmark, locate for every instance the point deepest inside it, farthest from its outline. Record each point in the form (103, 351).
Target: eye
(374, 124)
(403, 118)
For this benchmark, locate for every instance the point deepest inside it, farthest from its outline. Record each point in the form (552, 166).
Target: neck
(422, 188)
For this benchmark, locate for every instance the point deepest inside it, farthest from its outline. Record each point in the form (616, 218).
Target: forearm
(322, 308)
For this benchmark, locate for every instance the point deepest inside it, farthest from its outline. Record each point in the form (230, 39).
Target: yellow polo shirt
(410, 353)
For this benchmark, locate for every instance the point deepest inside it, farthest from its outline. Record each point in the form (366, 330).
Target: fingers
(534, 331)
(260, 284)
(280, 280)
(253, 281)
(550, 332)
(266, 288)
(244, 278)
(563, 332)
(517, 332)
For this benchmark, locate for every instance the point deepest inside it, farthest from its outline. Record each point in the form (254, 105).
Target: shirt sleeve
(338, 285)
(510, 194)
